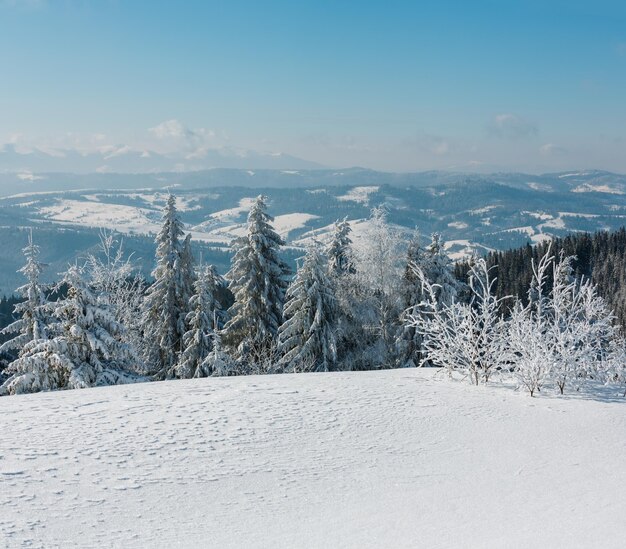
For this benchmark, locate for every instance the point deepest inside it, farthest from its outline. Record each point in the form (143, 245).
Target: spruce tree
(410, 340)
(439, 270)
(32, 316)
(339, 250)
(218, 361)
(203, 320)
(84, 350)
(380, 272)
(167, 300)
(257, 279)
(306, 340)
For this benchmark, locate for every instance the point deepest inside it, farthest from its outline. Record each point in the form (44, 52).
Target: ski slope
(398, 458)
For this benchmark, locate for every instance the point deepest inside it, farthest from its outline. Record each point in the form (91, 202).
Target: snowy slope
(397, 458)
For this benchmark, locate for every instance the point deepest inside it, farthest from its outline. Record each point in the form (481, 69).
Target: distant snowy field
(400, 458)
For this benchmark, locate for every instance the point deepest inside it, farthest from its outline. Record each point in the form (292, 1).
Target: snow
(556, 223)
(480, 211)
(157, 200)
(124, 218)
(588, 188)
(358, 194)
(576, 214)
(540, 237)
(537, 186)
(458, 249)
(400, 458)
(232, 215)
(527, 230)
(458, 225)
(284, 224)
(537, 215)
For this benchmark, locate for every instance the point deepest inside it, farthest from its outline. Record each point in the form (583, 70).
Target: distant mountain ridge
(474, 213)
(124, 159)
(591, 181)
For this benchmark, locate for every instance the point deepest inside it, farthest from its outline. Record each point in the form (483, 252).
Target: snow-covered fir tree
(84, 350)
(409, 340)
(166, 303)
(439, 270)
(187, 272)
(218, 362)
(203, 320)
(113, 274)
(355, 312)
(379, 270)
(307, 338)
(32, 314)
(258, 280)
(339, 249)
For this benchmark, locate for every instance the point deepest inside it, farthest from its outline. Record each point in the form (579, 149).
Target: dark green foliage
(600, 256)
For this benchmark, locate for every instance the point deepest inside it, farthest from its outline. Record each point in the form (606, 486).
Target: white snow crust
(401, 458)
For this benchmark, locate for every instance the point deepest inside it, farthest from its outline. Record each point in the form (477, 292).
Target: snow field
(398, 458)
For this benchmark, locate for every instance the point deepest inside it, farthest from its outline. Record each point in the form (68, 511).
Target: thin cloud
(550, 149)
(175, 131)
(511, 126)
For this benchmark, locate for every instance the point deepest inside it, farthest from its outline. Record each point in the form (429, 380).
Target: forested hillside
(600, 257)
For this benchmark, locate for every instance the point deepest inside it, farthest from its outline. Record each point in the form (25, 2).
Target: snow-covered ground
(398, 458)
(359, 194)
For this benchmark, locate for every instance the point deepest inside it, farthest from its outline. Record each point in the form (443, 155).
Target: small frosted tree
(566, 334)
(581, 329)
(84, 350)
(32, 314)
(203, 320)
(307, 338)
(167, 300)
(218, 361)
(462, 337)
(258, 280)
(529, 349)
(615, 371)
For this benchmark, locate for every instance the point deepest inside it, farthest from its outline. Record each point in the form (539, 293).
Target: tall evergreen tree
(167, 300)
(339, 250)
(258, 280)
(307, 340)
(187, 272)
(31, 315)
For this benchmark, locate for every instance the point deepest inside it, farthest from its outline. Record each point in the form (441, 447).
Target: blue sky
(533, 86)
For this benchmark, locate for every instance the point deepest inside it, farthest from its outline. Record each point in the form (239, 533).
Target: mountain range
(474, 213)
(126, 159)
